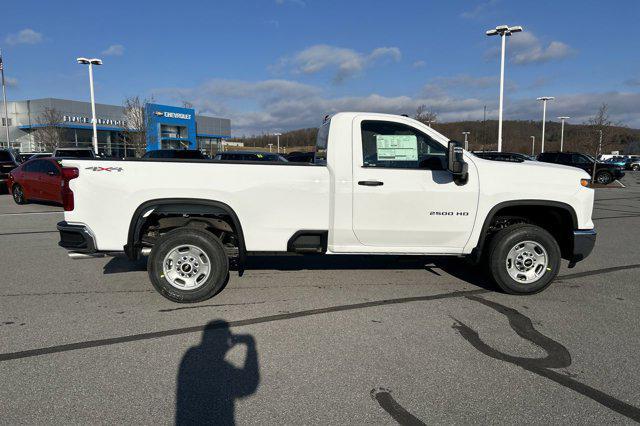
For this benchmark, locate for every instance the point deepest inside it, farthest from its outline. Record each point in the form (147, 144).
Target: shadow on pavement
(208, 385)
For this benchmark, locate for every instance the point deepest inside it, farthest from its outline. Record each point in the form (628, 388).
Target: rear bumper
(76, 238)
(583, 242)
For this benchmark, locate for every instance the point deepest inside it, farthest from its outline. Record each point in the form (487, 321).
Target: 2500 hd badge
(438, 213)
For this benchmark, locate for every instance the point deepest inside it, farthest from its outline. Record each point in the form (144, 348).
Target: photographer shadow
(208, 385)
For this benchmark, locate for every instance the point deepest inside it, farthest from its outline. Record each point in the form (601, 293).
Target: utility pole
(544, 100)
(94, 121)
(277, 135)
(4, 98)
(562, 132)
(533, 145)
(503, 31)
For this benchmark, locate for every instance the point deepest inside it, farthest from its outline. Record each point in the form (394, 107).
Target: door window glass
(48, 166)
(396, 145)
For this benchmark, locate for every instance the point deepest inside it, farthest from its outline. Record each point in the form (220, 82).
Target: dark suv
(9, 160)
(605, 173)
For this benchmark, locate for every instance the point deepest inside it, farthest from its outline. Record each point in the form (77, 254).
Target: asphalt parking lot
(312, 340)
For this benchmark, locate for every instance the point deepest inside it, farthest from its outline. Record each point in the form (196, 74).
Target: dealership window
(4, 122)
(399, 146)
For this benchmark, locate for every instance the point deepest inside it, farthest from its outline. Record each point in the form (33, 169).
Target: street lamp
(466, 143)
(277, 135)
(91, 63)
(544, 100)
(562, 132)
(533, 145)
(503, 31)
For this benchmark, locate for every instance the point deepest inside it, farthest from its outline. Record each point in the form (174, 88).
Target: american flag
(1, 66)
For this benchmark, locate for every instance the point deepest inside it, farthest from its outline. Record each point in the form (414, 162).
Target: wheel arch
(505, 206)
(179, 206)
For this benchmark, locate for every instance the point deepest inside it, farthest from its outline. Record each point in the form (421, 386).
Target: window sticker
(397, 147)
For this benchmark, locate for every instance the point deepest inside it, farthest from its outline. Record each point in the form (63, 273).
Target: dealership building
(166, 126)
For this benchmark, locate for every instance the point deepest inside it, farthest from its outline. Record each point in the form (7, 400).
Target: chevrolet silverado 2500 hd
(380, 184)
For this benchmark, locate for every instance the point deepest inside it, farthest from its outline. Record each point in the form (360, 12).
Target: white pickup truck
(380, 184)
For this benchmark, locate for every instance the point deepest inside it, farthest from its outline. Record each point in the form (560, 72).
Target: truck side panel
(272, 201)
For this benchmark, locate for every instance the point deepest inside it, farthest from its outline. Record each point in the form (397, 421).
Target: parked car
(187, 154)
(381, 184)
(618, 160)
(40, 179)
(605, 172)
(249, 156)
(9, 160)
(25, 156)
(515, 157)
(74, 153)
(301, 157)
(633, 162)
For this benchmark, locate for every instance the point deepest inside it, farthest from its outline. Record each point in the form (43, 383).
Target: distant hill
(516, 137)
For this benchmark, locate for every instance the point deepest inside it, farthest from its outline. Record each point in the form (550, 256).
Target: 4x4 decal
(104, 169)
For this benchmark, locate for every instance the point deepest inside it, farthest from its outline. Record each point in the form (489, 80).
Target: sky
(276, 65)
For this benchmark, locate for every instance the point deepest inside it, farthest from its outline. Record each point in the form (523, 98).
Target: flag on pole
(1, 66)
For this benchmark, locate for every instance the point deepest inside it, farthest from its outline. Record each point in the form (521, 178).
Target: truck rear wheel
(188, 265)
(523, 259)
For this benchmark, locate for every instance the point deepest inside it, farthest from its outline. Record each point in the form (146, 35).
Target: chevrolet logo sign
(159, 113)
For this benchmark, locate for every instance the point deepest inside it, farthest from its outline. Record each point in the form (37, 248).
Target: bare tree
(136, 122)
(426, 116)
(601, 128)
(49, 135)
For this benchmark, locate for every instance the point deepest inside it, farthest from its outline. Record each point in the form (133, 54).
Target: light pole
(277, 135)
(503, 31)
(94, 122)
(466, 143)
(544, 100)
(533, 145)
(562, 132)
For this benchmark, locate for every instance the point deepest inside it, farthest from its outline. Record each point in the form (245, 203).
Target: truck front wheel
(188, 265)
(523, 259)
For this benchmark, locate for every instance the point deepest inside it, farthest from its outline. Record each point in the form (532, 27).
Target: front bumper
(583, 242)
(76, 238)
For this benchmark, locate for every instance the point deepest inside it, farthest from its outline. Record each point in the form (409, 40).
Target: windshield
(5, 156)
(75, 153)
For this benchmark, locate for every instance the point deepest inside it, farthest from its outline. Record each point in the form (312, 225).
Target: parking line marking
(29, 213)
(239, 323)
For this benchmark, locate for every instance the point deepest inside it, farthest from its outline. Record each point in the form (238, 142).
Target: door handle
(370, 183)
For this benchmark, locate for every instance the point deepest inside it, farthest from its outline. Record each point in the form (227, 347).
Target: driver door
(403, 195)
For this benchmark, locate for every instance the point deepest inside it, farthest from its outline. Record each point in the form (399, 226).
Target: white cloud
(419, 64)
(11, 81)
(261, 106)
(343, 62)
(634, 82)
(26, 36)
(526, 48)
(480, 10)
(114, 50)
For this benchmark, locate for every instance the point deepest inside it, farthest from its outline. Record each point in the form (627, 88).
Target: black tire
(604, 178)
(506, 239)
(635, 167)
(18, 194)
(207, 243)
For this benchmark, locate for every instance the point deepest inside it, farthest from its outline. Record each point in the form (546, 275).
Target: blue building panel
(170, 127)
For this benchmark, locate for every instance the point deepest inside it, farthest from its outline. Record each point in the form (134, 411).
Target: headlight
(585, 182)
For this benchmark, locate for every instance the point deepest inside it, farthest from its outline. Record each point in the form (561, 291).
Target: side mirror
(456, 164)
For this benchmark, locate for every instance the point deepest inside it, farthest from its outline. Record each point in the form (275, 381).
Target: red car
(39, 179)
